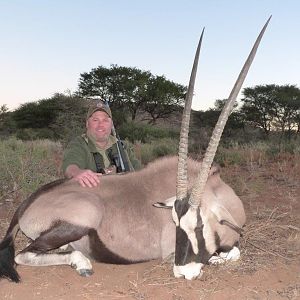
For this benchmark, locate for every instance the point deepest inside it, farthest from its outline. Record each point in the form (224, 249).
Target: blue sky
(45, 45)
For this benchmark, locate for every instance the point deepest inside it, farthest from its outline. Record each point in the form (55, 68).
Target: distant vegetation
(265, 111)
(26, 165)
(147, 107)
(147, 113)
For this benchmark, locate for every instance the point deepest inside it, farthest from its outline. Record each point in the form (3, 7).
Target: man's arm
(86, 178)
(74, 164)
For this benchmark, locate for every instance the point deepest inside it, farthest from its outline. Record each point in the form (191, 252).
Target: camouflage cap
(96, 106)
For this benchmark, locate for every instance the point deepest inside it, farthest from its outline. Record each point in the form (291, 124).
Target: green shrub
(144, 132)
(256, 153)
(226, 157)
(133, 156)
(158, 148)
(30, 134)
(24, 166)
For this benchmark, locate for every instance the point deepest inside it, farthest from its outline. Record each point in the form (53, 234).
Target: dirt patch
(269, 267)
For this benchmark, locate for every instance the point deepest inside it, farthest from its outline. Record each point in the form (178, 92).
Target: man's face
(99, 126)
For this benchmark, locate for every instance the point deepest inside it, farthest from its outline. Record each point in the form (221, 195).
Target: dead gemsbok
(119, 222)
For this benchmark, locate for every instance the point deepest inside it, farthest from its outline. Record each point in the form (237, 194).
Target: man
(96, 152)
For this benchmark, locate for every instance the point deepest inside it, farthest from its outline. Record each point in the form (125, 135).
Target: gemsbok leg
(36, 253)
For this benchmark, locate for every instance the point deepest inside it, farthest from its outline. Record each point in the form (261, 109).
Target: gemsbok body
(123, 221)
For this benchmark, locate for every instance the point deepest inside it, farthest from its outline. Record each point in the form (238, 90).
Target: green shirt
(80, 152)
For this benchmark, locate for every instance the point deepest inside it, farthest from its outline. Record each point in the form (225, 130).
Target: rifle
(121, 161)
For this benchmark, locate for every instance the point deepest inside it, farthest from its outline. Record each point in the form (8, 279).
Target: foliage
(144, 132)
(163, 98)
(147, 152)
(30, 134)
(24, 166)
(133, 89)
(272, 107)
(3, 109)
(59, 117)
(220, 103)
(7, 124)
(36, 114)
(287, 107)
(258, 153)
(208, 119)
(132, 150)
(70, 119)
(120, 86)
(265, 111)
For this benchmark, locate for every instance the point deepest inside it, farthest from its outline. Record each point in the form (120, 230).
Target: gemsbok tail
(7, 252)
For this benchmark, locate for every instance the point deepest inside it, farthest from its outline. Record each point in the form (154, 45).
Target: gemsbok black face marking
(118, 223)
(190, 243)
(190, 248)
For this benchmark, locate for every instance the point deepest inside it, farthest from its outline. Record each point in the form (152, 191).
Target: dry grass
(269, 238)
(270, 193)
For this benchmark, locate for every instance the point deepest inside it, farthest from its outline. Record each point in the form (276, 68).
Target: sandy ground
(268, 269)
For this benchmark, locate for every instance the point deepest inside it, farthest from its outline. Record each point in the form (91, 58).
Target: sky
(46, 44)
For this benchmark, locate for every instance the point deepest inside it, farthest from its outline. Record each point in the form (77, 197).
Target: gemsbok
(123, 221)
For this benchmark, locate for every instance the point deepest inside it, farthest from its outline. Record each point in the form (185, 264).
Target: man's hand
(86, 178)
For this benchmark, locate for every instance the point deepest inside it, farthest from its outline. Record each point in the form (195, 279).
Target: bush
(133, 153)
(144, 132)
(258, 153)
(30, 134)
(24, 166)
(156, 149)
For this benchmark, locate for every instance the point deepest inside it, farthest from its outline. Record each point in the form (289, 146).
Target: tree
(258, 106)
(3, 109)
(163, 98)
(3, 114)
(58, 117)
(70, 118)
(287, 109)
(272, 107)
(220, 103)
(120, 86)
(36, 114)
(7, 124)
(297, 122)
(210, 117)
(132, 89)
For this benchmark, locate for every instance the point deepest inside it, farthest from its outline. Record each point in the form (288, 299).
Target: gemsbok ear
(169, 203)
(221, 213)
(224, 217)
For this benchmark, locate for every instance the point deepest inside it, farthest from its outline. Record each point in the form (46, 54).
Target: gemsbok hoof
(81, 263)
(85, 272)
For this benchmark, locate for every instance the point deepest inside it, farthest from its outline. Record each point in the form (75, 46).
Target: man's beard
(97, 138)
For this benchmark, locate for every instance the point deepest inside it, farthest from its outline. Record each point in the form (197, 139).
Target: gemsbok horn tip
(198, 188)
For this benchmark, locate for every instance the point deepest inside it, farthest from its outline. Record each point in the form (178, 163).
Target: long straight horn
(198, 189)
(182, 184)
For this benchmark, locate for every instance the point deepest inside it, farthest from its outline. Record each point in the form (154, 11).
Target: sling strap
(117, 157)
(99, 162)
